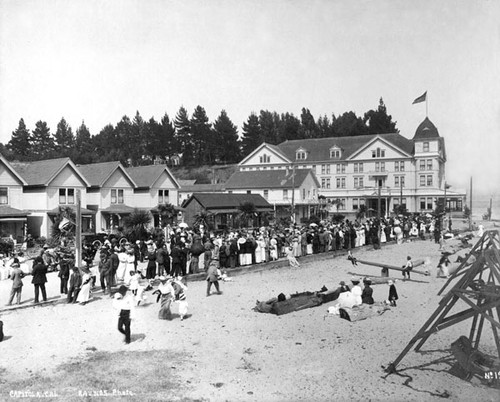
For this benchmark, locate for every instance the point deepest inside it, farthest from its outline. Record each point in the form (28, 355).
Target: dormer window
(265, 158)
(335, 152)
(300, 154)
(426, 146)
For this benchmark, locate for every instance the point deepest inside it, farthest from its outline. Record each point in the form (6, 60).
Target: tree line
(194, 139)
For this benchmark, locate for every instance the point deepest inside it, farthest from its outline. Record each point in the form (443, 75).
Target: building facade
(375, 173)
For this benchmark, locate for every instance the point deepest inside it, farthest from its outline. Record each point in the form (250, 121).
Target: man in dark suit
(39, 278)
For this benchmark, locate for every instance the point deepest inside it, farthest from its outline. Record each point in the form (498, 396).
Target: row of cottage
(320, 176)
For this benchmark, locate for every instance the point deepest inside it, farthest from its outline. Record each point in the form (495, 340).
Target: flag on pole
(421, 98)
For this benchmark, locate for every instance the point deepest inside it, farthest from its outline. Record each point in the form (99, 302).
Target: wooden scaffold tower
(478, 287)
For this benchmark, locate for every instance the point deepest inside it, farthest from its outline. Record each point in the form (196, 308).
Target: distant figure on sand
(292, 261)
(407, 267)
(367, 294)
(17, 284)
(124, 304)
(166, 294)
(393, 293)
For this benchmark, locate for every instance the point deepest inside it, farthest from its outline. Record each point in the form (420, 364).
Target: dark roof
(224, 200)
(425, 130)
(146, 176)
(281, 178)
(200, 188)
(40, 173)
(83, 211)
(118, 209)
(97, 173)
(6, 211)
(318, 149)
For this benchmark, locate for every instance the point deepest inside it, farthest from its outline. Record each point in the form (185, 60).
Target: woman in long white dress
(122, 266)
(84, 295)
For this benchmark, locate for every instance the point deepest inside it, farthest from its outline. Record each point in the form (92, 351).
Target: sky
(96, 61)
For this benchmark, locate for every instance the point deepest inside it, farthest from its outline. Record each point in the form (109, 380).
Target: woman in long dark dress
(166, 294)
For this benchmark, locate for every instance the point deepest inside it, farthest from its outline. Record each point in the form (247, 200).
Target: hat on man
(342, 283)
(355, 280)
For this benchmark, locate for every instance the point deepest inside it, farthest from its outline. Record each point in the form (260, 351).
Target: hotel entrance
(372, 205)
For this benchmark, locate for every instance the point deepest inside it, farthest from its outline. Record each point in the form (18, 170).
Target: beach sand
(234, 353)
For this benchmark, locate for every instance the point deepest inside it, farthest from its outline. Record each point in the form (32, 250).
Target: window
(341, 167)
(285, 194)
(303, 193)
(355, 204)
(163, 196)
(430, 203)
(325, 169)
(429, 180)
(4, 196)
(66, 196)
(429, 164)
(116, 196)
(399, 181)
(300, 155)
(266, 194)
(358, 182)
(342, 204)
(334, 153)
(378, 153)
(422, 164)
(399, 166)
(426, 146)
(382, 166)
(265, 158)
(422, 202)
(358, 167)
(325, 182)
(377, 166)
(340, 182)
(422, 180)
(249, 191)
(314, 193)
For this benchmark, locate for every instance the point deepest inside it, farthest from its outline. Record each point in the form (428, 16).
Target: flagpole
(426, 104)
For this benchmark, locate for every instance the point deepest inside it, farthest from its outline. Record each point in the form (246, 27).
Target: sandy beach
(230, 352)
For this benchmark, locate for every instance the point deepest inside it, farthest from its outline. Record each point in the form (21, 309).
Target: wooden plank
(376, 264)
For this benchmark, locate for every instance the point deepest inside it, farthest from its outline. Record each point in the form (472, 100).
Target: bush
(6, 246)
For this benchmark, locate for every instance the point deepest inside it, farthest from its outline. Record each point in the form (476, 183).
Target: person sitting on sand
(292, 261)
(444, 262)
(367, 294)
(343, 287)
(407, 267)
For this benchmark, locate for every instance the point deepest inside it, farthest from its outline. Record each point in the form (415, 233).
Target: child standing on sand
(393, 293)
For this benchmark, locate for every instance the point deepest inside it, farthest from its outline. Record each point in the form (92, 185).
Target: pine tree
(308, 127)
(378, 121)
(227, 146)
(64, 138)
(84, 150)
(42, 141)
(203, 141)
(269, 126)
(184, 137)
(20, 142)
(251, 135)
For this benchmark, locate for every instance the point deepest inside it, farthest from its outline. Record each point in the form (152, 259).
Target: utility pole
(78, 229)
(293, 194)
(470, 203)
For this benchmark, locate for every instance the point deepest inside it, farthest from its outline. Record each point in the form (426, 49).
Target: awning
(8, 212)
(83, 211)
(118, 209)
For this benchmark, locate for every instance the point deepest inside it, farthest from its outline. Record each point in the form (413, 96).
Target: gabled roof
(186, 182)
(12, 170)
(98, 173)
(277, 178)
(41, 173)
(426, 130)
(318, 149)
(391, 144)
(224, 200)
(146, 176)
(272, 148)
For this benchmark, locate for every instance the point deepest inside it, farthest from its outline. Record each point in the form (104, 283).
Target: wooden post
(470, 203)
(78, 233)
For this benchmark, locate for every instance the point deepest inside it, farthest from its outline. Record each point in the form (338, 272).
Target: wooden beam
(376, 264)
